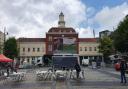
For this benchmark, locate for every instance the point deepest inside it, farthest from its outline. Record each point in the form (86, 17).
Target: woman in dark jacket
(123, 67)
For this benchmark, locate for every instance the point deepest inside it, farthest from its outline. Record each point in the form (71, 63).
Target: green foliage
(120, 36)
(106, 46)
(10, 48)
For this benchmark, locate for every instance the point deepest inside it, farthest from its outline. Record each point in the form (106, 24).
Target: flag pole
(94, 33)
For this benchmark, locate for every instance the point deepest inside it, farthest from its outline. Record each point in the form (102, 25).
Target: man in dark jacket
(7, 67)
(78, 69)
(123, 67)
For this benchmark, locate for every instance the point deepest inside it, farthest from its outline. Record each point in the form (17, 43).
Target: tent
(5, 59)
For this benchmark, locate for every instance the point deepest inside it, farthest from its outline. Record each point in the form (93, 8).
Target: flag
(94, 33)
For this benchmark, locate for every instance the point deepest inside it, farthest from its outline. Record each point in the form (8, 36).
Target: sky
(33, 18)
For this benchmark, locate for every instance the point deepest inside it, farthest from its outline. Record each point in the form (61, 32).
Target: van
(39, 61)
(85, 62)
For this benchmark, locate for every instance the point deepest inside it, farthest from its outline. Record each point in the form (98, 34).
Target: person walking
(123, 67)
(78, 69)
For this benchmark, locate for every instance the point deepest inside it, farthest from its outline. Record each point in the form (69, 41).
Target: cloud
(108, 18)
(85, 32)
(33, 18)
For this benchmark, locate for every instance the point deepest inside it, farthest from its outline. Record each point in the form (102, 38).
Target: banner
(68, 41)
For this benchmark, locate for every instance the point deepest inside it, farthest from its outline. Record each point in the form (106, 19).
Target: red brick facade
(57, 33)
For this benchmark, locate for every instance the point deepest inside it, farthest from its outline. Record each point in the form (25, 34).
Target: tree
(106, 47)
(10, 48)
(120, 36)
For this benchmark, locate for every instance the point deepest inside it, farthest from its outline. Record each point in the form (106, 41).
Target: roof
(1, 32)
(61, 14)
(44, 40)
(31, 39)
(87, 39)
(58, 29)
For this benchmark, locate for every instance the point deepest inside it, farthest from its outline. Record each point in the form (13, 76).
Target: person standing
(78, 69)
(7, 67)
(123, 67)
(93, 64)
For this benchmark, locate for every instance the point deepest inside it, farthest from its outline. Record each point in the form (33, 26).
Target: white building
(30, 49)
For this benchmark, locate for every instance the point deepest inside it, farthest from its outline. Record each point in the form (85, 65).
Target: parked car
(26, 66)
(39, 61)
(85, 62)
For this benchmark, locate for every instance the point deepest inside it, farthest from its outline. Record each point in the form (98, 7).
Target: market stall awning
(5, 59)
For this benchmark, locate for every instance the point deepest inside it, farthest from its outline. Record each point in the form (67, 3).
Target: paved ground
(99, 79)
(104, 78)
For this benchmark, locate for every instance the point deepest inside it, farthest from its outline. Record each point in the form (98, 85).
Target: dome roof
(61, 14)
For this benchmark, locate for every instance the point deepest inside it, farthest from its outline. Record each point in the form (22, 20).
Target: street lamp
(5, 33)
(0, 45)
(62, 43)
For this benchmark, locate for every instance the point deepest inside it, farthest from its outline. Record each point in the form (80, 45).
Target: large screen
(65, 45)
(68, 62)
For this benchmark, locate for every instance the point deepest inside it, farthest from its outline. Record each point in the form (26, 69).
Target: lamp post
(5, 33)
(0, 46)
(62, 43)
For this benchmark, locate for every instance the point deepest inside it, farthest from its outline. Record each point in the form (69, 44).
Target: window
(80, 48)
(90, 48)
(85, 48)
(38, 49)
(43, 49)
(50, 38)
(33, 58)
(23, 49)
(95, 49)
(28, 60)
(28, 49)
(38, 61)
(49, 47)
(62, 31)
(33, 49)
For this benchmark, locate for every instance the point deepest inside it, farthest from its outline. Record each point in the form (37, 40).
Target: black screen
(67, 62)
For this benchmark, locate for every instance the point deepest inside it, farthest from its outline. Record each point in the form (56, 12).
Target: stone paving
(94, 79)
(99, 80)
(111, 70)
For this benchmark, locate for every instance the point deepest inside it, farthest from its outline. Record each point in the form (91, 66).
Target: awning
(5, 59)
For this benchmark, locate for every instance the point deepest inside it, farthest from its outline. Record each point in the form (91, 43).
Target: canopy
(5, 59)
